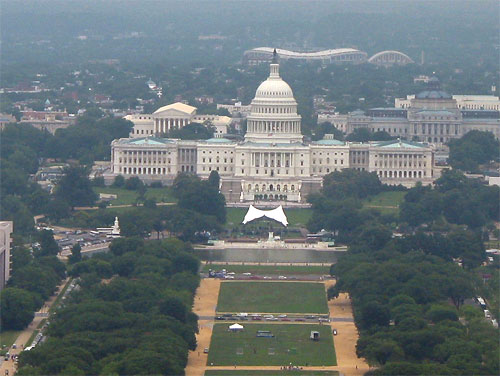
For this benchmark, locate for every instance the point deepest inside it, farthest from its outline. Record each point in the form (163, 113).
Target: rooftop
(400, 144)
(179, 106)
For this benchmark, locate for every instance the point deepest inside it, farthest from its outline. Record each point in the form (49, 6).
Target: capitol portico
(273, 163)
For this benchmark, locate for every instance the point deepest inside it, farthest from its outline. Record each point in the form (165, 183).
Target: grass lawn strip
(385, 202)
(7, 338)
(290, 344)
(272, 297)
(271, 269)
(269, 373)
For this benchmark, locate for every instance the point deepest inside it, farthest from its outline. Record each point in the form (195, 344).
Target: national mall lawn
(240, 372)
(290, 345)
(272, 297)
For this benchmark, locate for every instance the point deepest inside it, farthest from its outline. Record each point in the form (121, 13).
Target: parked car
(205, 351)
(334, 332)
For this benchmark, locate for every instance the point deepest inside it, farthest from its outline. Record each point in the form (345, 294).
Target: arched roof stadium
(390, 57)
(265, 54)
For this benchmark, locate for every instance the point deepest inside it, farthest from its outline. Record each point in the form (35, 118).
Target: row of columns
(275, 126)
(272, 158)
(165, 125)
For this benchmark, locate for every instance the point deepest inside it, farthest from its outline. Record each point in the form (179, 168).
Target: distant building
(6, 228)
(47, 120)
(6, 119)
(260, 55)
(174, 116)
(273, 162)
(432, 116)
(51, 173)
(388, 58)
(237, 109)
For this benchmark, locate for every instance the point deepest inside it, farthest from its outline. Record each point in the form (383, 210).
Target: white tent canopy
(277, 214)
(236, 327)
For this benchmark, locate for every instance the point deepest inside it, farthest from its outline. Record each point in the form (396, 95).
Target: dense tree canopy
(192, 131)
(473, 149)
(458, 199)
(75, 188)
(140, 322)
(200, 196)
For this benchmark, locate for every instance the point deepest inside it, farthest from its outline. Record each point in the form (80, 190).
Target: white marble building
(432, 116)
(272, 163)
(174, 116)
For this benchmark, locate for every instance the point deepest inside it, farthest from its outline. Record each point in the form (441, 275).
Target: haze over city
(249, 187)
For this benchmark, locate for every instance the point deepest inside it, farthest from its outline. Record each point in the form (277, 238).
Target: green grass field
(290, 344)
(385, 202)
(271, 269)
(296, 217)
(128, 197)
(8, 337)
(269, 373)
(272, 297)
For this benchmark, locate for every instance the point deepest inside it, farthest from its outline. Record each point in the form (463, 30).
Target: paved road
(25, 335)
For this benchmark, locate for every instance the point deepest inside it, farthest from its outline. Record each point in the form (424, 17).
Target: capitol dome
(274, 87)
(273, 112)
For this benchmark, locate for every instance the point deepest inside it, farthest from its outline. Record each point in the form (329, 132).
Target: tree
(439, 313)
(76, 254)
(365, 135)
(75, 188)
(382, 350)
(472, 149)
(200, 196)
(351, 183)
(133, 183)
(119, 181)
(192, 131)
(48, 245)
(17, 308)
(374, 313)
(214, 179)
(327, 128)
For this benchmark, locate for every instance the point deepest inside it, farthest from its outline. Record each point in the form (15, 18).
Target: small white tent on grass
(277, 214)
(236, 328)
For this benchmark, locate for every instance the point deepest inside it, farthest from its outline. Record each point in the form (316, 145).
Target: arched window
(292, 188)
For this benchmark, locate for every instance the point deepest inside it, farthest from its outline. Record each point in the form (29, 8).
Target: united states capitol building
(273, 162)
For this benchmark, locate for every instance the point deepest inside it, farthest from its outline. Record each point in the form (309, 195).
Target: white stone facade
(273, 162)
(431, 117)
(6, 228)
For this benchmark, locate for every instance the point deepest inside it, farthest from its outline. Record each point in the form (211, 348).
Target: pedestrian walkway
(345, 341)
(23, 338)
(204, 306)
